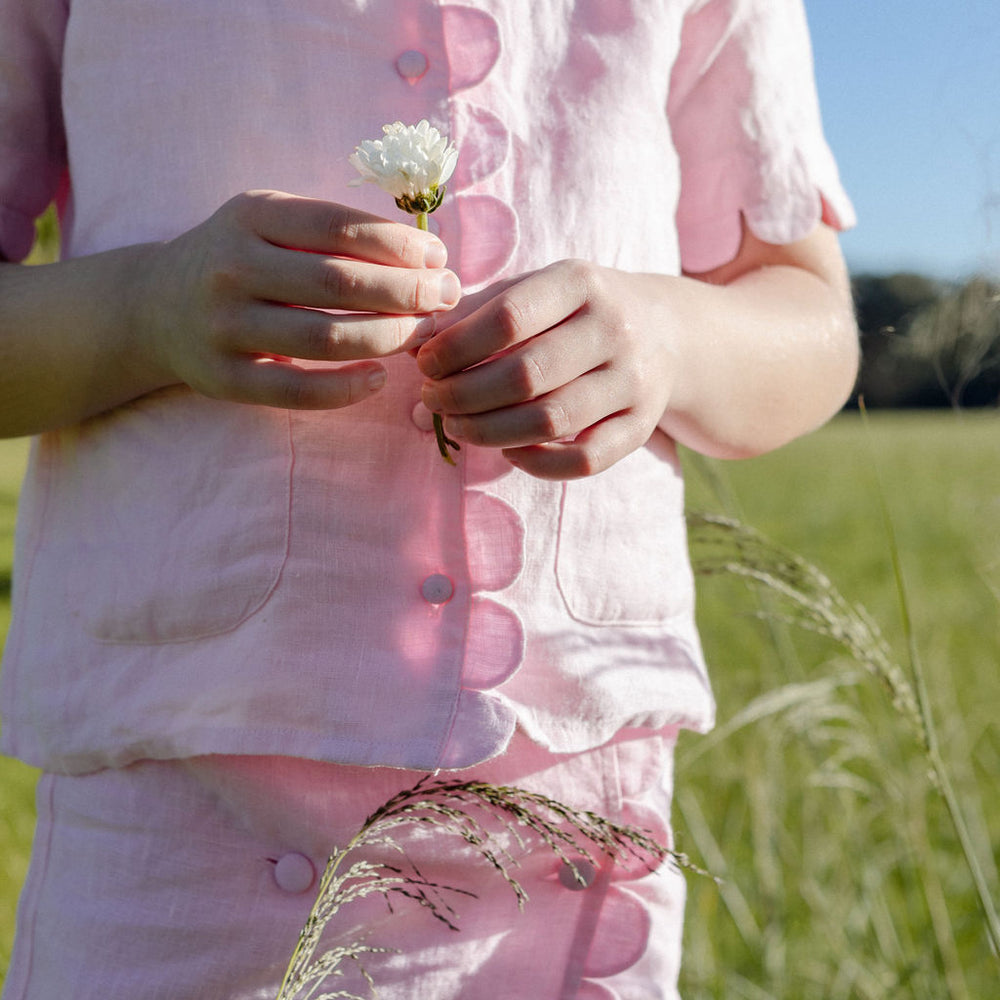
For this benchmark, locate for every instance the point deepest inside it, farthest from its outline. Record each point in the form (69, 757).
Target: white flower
(411, 162)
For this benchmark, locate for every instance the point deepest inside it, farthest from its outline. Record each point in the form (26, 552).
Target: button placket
(473, 47)
(482, 723)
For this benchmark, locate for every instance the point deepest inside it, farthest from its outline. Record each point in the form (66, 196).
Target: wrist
(144, 348)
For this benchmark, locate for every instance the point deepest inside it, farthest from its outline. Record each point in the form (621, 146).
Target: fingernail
(376, 380)
(451, 288)
(455, 427)
(435, 254)
(425, 328)
(428, 364)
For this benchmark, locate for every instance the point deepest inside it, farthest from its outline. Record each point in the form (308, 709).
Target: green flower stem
(443, 441)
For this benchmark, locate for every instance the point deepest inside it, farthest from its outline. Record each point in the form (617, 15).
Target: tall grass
(818, 798)
(17, 782)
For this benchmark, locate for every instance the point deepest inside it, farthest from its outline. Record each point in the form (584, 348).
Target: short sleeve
(746, 124)
(32, 144)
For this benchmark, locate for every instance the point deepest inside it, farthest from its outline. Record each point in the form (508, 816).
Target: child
(251, 601)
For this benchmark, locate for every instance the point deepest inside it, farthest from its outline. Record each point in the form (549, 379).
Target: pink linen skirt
(190, 880)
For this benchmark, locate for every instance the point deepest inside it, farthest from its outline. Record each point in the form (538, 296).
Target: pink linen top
(195, 576)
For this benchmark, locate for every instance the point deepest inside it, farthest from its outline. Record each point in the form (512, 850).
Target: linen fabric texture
(200, 577)
(190, 880)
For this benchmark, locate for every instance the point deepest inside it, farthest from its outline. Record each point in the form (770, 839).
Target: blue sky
(910, 91)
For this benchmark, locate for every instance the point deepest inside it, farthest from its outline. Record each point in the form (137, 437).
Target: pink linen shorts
(190, 880)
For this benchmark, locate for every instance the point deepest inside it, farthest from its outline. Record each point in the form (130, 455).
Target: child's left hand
(570, 368)
(565, 369)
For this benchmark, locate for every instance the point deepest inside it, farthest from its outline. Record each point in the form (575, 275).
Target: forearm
(228, 308)
(766, 357)
(70, 344)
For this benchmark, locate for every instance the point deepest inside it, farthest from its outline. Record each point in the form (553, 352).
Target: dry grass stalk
(475, 812)
(722, 545)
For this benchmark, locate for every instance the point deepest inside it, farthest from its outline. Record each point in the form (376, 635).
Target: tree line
(928, 343)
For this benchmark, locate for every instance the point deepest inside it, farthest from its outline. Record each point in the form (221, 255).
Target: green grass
(17, 782)
(842, 874)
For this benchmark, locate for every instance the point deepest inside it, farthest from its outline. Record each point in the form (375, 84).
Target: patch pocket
(621, 556)
(176, 510)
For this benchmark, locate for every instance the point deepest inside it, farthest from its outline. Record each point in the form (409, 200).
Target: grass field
(17, 783)
(842, 875)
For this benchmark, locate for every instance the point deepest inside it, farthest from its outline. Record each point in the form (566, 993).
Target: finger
(561, 414)
(471, 303)
(539, 302)
(306, 279)
(319, 336)
(267, 382)
(325, 227)
(533, 369)
(594, 450)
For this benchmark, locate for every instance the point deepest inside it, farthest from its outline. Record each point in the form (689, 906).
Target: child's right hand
(227, 307)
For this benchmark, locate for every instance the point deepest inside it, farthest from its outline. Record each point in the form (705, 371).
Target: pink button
(582, 878)
(422, 417)
(437, 589)
(294, 872)
(411, 65)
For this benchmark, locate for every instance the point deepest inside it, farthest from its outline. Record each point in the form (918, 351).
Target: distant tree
(884, 301)
(928, 343)
(959, 337)
(886, 305)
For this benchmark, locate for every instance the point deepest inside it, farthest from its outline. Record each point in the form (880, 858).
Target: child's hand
(571, 368)
(578, 374)
(230, 304)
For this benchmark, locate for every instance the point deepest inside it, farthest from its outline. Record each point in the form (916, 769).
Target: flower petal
(409, 162)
